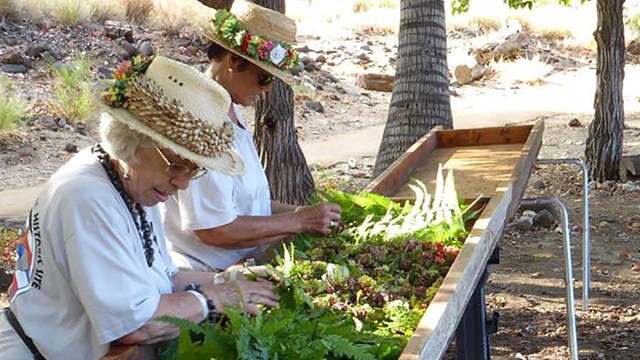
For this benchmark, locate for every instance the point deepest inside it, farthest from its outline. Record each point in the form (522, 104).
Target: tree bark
(420, 98)
(276, 139)
(604, 142)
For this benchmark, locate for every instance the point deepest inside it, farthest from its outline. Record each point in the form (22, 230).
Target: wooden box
(492, 163)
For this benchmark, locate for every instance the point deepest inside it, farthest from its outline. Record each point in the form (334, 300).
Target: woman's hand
(319, 219)
(243, 292)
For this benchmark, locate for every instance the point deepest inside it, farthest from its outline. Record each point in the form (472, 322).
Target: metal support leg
(472, 335)
(586, 228)
(570, 302)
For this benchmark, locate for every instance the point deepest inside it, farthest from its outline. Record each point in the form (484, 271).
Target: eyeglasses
(174, 170)
(265, 79)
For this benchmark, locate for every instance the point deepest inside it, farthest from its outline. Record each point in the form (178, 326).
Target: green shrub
(72, 91)
(8, 240)
(13, 109)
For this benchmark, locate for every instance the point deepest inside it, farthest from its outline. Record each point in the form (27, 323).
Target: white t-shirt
(214, 200)
(82, 280)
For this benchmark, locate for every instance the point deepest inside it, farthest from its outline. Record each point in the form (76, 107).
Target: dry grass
(106, 10)
(138, 10)
(70, 12)
(173, 16)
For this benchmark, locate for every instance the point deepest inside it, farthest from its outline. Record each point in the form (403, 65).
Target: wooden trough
(492, 163)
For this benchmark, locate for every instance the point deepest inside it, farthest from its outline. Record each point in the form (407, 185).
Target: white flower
(277, 55)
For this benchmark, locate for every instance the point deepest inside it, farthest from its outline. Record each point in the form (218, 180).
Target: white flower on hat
(277, 55)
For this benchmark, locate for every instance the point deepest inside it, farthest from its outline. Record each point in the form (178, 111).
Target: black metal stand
(472, 335)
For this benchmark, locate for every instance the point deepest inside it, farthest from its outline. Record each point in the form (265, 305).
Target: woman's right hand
(248, 294)
(319, 219)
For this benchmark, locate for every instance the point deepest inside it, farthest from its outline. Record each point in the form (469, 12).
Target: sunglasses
(265, 79)
(175, 170)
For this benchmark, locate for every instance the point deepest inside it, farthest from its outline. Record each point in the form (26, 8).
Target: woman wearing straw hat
(93, 269)
(221, 220)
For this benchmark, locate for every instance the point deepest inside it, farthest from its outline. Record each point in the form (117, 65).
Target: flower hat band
(178, 107)
(260, 35)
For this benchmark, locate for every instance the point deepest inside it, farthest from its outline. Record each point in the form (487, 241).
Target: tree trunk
(604, 143)
(277, 141)
(420, 98)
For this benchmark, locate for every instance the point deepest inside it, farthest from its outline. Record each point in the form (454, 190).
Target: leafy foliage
(355, 294)
(462, 6)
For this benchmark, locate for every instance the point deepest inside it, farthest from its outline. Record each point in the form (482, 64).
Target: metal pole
(586, 228)
(570, 302)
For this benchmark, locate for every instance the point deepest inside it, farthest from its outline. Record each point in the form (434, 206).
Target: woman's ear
(235, 62)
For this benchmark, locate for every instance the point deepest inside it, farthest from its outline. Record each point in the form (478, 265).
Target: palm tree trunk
(420, 98)
(605, 139)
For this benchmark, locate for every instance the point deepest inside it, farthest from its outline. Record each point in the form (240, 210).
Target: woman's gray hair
(120, 141)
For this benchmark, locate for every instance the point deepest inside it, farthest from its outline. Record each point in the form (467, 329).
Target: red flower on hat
(245, 42)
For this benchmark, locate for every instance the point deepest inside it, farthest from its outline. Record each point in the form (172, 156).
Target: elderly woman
(221, 219)
(94, 268)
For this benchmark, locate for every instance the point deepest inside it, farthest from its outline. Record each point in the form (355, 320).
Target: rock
(128, 47)
(574, 123)
(105, 73)
(315, 106)
(334, 97)
(15, 58)
(146, 49)
(329, 76)
(71, 148)
(14, 68)
(116, 29)
(297, 70)
(321, 59)
(311, 67)
(528, 214)
(634, 47)
(630, 186)
(539, 185)
(544, 219)
(363, 58)
(306, 60)
(303, 49)
(351, 163)
(377, 82)
(365, 47)
(36, 50)
(524, 224)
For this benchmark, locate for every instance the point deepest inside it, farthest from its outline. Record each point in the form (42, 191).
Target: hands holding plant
(319, 219)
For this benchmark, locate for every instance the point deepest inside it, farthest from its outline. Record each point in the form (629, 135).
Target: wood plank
(522, 171)
(439, 322)
(483, 136)
(398, 172)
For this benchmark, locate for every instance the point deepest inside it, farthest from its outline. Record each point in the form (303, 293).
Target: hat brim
(285, 76)
(229, 162)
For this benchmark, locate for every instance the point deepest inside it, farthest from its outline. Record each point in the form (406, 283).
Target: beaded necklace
(136, 210)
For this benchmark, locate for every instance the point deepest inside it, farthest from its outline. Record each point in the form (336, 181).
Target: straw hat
(262, 36)
(178, 107)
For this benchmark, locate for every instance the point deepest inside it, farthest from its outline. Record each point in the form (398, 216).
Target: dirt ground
(526, 288)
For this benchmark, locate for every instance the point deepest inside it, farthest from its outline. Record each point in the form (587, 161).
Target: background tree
(604, 143)
(276, 139)
(421, 96)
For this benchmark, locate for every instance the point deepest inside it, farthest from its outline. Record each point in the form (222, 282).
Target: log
(511, 48)
(632, 164)
(376, 82)
(465, 74)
